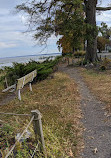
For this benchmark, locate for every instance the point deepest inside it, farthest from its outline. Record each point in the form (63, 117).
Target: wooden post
(19, 95)
(30, 86)
(37, 123)
(82, 61)
(78, 58)
(72, 61)
(68, 61)
(6, 82)
(100, 57)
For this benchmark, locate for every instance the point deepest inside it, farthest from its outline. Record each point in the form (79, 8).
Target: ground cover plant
(58, 100)
(99, 82)
(20, 69)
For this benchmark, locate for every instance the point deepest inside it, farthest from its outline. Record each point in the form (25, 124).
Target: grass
(100, 84)
(2, 95)
(58, 100)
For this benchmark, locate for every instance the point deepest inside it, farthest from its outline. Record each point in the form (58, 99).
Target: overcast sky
(13, 42)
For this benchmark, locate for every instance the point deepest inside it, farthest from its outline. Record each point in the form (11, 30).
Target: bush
(102, 67)
(106, 61)
(105, 64)
(79, 53)
(1, 70)
(19, 70)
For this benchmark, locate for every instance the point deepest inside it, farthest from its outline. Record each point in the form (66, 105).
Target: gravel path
(97, 136)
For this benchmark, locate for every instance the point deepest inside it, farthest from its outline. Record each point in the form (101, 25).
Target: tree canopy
(73, 20)
(101, 42)
(59, 17)
(105, 30)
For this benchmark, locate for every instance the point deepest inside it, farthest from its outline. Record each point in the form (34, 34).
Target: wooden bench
(21, 82)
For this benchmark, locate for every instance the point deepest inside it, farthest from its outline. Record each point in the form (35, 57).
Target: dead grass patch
(100, 84)
(59, 102)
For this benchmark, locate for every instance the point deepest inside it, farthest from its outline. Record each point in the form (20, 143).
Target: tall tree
(90, 9)
(62, 17)
(43, 20)
(91, 30)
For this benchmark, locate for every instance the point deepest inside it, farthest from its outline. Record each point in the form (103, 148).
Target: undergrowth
(19, 70)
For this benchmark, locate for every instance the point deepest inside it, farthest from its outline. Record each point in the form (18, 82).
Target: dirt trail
(97, 136)
(6, 98)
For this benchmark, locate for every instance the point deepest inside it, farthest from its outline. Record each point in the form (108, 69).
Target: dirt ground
(97, 132)
(6, 97)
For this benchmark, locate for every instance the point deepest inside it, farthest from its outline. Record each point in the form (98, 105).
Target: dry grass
(100, 84)
(58, 100)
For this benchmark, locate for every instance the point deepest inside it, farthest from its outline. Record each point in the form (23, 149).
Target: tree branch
(103, 8)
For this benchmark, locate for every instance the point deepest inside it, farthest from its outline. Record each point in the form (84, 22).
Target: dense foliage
(105, 30)
(19, 70)
(73, 20)
(59, 17)
(101, 42)
(103, 38)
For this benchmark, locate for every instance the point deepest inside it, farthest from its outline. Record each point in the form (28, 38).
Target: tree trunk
(91, 51)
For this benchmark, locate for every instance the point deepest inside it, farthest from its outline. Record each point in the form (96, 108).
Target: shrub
(79, 53)
(1, 70)
(105, 64)
(19, 70)
(106, 61)
(103, 67)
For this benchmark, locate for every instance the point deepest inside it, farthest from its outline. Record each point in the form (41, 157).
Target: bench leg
(19, 95)
(30, 86)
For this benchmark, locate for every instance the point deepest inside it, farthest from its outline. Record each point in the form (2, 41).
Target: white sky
(105, 16)
(12, 40)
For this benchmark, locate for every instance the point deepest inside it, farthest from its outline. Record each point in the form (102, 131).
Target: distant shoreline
(8, 61)
(52, 54)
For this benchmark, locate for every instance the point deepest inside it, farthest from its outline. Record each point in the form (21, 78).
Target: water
(8, 61)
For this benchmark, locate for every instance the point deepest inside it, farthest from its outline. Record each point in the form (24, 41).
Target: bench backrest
(26, 79)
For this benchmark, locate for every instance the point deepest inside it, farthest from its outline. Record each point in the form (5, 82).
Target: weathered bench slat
(26, 79)
(11, 87)
(21, 82)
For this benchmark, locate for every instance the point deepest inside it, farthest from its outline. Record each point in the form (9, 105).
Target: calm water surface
(24, 59)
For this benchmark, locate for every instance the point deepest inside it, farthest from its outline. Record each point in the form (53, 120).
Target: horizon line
(29, 55)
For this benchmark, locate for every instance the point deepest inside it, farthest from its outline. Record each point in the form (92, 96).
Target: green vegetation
(101, 42)
(19, 70)
(79, 53)
(104, 39)
(70, 19)
(65, 18)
